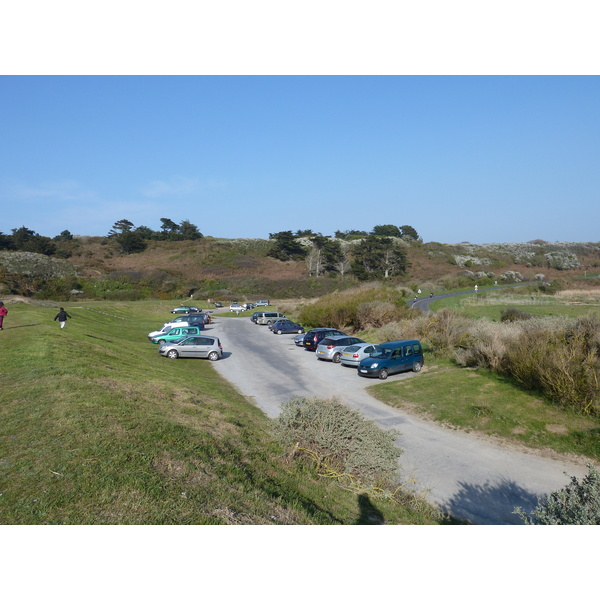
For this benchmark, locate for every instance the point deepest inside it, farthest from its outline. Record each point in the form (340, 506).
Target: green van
(392, 357)
(175, 333)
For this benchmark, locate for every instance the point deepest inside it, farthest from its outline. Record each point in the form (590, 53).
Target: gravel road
(465, 475)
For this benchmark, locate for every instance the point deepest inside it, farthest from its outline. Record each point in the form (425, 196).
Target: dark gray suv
(313, 337)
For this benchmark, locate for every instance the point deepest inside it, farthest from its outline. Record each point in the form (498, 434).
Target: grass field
(477, 400)
(491, 304)
(97, 428)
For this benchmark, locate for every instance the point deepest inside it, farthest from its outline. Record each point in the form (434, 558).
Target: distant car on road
(286, 326)
(392, 357)
(196, 346)
(218, 305)
(185, 310)
(352, 355)
(331, 347)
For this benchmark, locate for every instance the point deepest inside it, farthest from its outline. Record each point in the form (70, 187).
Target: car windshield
(352, 348)
(382, 353)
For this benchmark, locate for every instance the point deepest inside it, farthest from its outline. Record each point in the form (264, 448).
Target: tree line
(125, 234)
(373, 255)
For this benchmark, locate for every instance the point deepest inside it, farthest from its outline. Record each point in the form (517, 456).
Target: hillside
(240, 269)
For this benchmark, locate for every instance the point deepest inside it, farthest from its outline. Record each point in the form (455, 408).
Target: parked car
(235, 307)
(331, 347)
(166, 328)
(268, 317)
(299, 340)
(203, 318)
(314, 336)
(196, 346)
(392, 357)
(185, 310)
(218, 305)
(175, 334)
(255, 316)
(286, 326)
(352, 355)
(262, 303)
(274, 321)
(248, 305)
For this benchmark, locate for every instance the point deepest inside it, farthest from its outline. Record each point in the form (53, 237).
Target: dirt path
(466, 475)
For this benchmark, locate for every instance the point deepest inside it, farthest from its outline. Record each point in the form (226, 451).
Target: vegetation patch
(477, 400)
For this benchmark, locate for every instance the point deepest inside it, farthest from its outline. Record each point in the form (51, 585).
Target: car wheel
(383, 374)
(417, 367)
(336, 358)
(213, 356)
(172, 354)
(279, 332)
(161, 342)
(300, 331)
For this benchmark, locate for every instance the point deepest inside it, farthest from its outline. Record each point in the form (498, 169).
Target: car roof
(398, 343)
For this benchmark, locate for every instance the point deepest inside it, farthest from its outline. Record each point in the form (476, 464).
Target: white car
(235, 307)
(352, 355)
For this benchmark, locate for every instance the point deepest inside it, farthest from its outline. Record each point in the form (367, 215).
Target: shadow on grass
(490, 504)
(369, 513)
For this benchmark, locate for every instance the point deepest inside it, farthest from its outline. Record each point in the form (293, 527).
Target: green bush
(578, 503)
(514, 314)
(371, 305)
(340, 437)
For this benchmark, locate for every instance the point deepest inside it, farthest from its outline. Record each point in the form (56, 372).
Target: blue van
(392, 357)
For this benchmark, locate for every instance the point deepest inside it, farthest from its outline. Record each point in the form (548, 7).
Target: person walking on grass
(3, 313)
(62, 317)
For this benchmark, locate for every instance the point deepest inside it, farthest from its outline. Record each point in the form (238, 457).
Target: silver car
(352, 355)
(331, 348)
(194, 346)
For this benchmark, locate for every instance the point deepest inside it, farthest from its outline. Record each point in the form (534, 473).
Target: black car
(314, 336)
(193, 318)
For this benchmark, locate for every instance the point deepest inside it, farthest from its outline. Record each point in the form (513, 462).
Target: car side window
(408, 351)
(190, 342)
(417, 349)
(397, 353)
(204, 342)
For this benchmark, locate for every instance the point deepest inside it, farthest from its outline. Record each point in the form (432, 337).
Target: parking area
(272, 370)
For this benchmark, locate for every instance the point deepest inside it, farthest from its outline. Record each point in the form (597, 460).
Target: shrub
(356, 308)
(578, 503)
(514, 314)
(445, 331)
(562, 365)
(341, 438)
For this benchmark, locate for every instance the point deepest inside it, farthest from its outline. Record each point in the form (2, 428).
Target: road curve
(465, 475)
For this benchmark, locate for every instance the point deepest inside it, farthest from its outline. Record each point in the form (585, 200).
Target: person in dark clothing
(62, 317)
(3, 313)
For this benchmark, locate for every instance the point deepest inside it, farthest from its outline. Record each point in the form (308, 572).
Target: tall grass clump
(340, 439)
(563, 365)
(558, 357)
(371, 305)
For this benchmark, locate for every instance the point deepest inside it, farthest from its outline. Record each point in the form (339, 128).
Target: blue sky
(485, 159)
